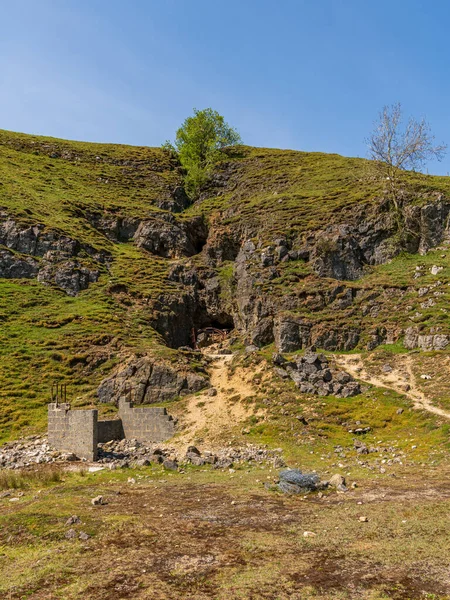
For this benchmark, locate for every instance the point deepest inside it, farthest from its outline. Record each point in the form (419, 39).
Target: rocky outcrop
(163, 234)
(17, 266)
(68, 275)
(425, 341)
(291, 333)
(51, 257)
(313, 374)
(177, 202)
(170, 238)
(147, 381)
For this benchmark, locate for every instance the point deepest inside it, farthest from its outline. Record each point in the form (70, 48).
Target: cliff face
(106, 269)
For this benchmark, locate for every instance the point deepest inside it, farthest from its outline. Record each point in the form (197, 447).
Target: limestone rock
(150, 380)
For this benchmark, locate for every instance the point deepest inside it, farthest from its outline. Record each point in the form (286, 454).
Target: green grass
(45, 335)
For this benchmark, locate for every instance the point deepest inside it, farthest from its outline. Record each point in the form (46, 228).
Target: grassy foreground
(220, 535)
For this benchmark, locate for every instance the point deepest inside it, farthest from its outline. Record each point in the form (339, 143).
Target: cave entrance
(206, 336)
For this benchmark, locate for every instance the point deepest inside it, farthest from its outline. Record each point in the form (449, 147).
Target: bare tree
(396, 147)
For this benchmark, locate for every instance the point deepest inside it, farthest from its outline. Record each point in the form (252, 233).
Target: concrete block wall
(110, 430)
(73, 430)
(149, 424)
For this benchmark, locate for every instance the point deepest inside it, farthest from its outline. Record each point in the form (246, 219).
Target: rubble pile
(35, 450)
(313, 374)
(125, 453)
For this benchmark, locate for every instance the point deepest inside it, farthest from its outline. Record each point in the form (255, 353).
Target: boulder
(293, 481)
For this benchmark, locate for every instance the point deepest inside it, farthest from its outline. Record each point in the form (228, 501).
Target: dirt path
(213, 416)
(397, 380)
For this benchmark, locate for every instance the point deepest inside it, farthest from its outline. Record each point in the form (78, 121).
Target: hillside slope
(106, 268)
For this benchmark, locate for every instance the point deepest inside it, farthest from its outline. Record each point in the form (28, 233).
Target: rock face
(171, 239)
(313, 374)
(198, 305)
(51, 257)
(150, 381)
(163, 234)
(33, 251)
(431, 341)
(293, 320)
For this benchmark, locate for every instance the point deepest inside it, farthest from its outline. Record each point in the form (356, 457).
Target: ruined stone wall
(110, 430)
(73, 430)
(149, 424)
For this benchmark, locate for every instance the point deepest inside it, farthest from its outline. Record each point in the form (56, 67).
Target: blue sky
(303, 74)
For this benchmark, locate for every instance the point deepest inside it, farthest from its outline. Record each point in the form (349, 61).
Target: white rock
(435, 269)
(307, 534)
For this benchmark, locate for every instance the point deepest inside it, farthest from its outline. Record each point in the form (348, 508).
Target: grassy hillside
(286, 192)
(46, 335)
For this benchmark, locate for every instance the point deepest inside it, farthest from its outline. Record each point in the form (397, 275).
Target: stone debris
(98, 501)
(73, 520)
(33, 450)
(131, 453)
(363, 519)
(313, 374)
(338, 481)
(71, 534)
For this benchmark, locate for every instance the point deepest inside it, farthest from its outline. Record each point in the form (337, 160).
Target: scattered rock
(73, 520)
(84, 536)
(338, 481)
(170, 465)
(307, 534)
(313, 375)
(363, 519)
(250, 349)
(123, 453)
(435, 269)
(71, 534)
(98, 501)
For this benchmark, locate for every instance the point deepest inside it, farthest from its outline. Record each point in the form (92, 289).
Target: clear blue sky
(302, 74)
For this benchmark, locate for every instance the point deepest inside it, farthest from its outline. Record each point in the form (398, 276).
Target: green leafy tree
(199, 143)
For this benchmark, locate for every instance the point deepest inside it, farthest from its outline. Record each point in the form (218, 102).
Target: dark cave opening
(211, 332)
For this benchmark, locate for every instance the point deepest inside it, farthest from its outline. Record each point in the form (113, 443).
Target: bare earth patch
(216, 415)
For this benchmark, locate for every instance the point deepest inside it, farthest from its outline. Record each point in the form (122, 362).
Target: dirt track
(397, 380)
